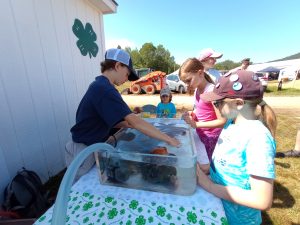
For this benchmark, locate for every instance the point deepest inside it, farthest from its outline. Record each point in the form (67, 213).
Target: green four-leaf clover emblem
(86, 38)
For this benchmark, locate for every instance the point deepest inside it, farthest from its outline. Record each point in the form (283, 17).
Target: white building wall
(43, 76)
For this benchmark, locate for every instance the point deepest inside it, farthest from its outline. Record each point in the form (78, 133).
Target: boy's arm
(122, 124)
(149, 130)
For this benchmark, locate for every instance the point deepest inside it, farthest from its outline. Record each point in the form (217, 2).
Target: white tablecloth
(93, 203)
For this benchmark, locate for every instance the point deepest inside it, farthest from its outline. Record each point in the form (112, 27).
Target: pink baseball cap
(208, 52)
(241, 84)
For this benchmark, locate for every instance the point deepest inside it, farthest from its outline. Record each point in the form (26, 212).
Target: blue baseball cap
(123, 57)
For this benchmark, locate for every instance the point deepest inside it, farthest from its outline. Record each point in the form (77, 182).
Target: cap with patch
(122, 56)
(241, 84)
(209, 53)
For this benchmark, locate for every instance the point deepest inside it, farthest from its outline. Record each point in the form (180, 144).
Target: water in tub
(175, 174)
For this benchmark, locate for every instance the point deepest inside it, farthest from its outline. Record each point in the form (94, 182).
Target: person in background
(205, 117)
(165, 109)
(102, 109)
(208, 57)
(244, 66)
(293, 152)
(242, 170)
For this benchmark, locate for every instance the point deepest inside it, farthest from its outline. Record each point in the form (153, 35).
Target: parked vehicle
(175, 84)
(143, 71)
(263, 77)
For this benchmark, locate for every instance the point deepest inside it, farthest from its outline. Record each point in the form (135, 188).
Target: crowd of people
(231, 119)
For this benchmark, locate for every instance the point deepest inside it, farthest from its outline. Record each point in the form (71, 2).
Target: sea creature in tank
(118, 170)
(160, 150)
(160, 174)
(157, 172)
(127, 136)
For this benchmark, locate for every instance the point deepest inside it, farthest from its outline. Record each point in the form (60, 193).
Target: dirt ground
(186, 101)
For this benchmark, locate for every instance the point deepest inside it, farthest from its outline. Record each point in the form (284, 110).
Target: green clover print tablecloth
(93, 203)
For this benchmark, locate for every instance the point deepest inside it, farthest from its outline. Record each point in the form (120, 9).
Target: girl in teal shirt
(242, 169)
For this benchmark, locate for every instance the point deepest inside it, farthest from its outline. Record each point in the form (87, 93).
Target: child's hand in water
(174, 142)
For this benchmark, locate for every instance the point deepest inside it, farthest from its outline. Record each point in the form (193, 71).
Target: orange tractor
(152, 82)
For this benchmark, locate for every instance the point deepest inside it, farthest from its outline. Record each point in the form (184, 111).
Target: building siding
(43, 76)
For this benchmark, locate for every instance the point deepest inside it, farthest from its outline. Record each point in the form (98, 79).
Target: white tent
(279, 64)
(289, 72)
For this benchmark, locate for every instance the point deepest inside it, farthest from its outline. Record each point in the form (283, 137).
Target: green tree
(226, 65)
(147, 53)
(150, 56)
(136, 57)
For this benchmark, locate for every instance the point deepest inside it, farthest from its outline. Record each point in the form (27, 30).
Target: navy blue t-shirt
(100, 109)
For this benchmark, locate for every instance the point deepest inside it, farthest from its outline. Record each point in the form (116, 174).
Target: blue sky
(263, 30)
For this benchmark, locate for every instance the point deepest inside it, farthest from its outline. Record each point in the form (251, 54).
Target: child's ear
(200, 71)
(117, 65)
(239, 103)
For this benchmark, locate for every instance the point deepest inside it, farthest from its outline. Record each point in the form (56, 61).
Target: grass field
(290, 88)
(286, 204)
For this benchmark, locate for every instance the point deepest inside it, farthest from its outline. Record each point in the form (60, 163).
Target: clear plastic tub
(134, 165)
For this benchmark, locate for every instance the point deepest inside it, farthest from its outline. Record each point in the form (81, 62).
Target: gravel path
(187, 101)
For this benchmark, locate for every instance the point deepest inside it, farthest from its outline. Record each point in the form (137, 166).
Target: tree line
(159, 58)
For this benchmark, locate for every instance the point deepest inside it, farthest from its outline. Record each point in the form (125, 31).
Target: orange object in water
(160, 151)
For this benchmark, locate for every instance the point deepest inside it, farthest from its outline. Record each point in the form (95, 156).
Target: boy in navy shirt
(102, 108)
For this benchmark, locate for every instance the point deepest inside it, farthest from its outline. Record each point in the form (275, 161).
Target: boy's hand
(174, 142)
(137, 110)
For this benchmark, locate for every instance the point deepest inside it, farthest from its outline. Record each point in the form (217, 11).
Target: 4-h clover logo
(161, 211)
(86, 38)
(87, 206)
(112, 213)
(192, 217)
(133, 204)
(140, 220)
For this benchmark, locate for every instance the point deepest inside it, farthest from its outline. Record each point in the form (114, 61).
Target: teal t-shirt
(166, 110)
(243, 149)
